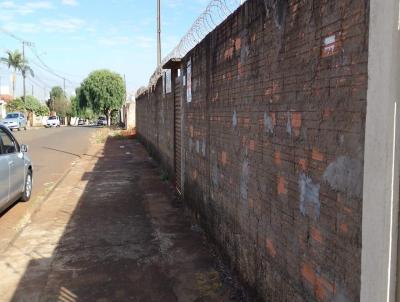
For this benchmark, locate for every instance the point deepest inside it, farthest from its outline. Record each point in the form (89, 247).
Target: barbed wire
(214, 14)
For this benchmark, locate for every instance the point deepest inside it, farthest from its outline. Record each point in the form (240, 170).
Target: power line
(33, 49)
(11, 35)
(215, 12)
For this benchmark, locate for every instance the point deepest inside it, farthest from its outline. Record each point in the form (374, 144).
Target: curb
(37, 205)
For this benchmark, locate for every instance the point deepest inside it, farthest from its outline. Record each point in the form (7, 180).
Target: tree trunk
(108, 115)
(14, 76)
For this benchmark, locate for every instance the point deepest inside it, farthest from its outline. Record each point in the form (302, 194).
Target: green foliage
(62, 107)
(59, 103)
(16, 105)
(103, 91)
(74, 108)
(14, 60)
(57, 93)
(31, 104)
(88, 114)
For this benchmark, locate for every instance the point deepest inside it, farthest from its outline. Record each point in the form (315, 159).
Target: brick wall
(274, 144)
(156, 112)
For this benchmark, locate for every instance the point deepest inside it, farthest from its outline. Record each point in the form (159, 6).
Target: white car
(53, 121)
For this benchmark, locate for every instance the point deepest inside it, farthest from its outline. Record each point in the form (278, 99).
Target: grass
(123, 134)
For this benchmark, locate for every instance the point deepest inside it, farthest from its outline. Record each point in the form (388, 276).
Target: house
(4, 100)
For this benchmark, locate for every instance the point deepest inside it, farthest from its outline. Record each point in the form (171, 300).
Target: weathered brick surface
(157, 113)
(274, 144)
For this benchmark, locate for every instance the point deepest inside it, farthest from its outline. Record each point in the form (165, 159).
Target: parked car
(81, 122)
(102, 121)
(16, 172)
(15, 120)
(53, 121)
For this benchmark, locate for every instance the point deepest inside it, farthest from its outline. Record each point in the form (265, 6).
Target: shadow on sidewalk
(127, 239)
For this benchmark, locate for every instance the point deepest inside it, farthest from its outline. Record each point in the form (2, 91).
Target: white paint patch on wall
(268, 123)
(234, 119)
(310, 204)
(345, 175)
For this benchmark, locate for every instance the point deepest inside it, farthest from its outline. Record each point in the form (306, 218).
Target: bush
(30, 105)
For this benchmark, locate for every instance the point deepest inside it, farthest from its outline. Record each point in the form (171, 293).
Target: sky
(75, 37)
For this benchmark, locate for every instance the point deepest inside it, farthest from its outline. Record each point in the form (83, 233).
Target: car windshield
(12, 115)
(102, 118)
(52, 118)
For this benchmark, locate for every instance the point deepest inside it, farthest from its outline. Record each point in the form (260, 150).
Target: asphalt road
(52, 151)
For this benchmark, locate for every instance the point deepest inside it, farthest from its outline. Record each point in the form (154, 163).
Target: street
(52, 152)
(111, 230)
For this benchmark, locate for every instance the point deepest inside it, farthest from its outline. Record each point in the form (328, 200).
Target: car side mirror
(24, 148)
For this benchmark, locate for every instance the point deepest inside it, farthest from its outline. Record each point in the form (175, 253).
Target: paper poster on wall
(163, 82)
(189, 81)
(168, 84)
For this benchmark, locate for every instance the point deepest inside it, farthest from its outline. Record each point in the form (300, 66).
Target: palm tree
(25, 68)
(15, 61)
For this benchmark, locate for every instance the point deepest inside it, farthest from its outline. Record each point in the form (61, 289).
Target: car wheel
(28, 187)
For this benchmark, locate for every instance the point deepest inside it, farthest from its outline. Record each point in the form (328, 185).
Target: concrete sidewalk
(112, 231)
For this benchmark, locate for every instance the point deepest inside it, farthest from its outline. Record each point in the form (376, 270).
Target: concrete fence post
(381, 162)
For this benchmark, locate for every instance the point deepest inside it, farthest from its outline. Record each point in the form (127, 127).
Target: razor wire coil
(214, 14)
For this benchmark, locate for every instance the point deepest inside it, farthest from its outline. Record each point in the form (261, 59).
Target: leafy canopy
(13, 60)
(103, 91)
(59, 102)
(57, 93)
(31, 104)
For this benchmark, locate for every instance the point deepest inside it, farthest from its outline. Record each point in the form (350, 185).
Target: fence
(261, 125)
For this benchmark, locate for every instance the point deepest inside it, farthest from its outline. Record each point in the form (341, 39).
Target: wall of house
(273, 143)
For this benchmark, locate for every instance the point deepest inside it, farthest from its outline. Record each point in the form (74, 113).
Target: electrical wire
(214, 14)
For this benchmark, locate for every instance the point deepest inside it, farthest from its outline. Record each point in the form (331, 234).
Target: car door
(16, 164)
(4, 178)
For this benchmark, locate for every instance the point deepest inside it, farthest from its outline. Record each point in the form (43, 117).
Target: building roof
(6, 97)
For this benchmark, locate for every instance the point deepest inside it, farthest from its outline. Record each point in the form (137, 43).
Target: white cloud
(70, 2)
(22, 27)
(11, 7)
(145, 42)
(114, 41)
(62, 25)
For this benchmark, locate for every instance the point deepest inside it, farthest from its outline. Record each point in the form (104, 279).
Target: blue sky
(74, 37)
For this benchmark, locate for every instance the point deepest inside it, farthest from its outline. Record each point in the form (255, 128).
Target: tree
(58, 102)
(16, 105)
(15, 61)
(103, 91)
(74, 109)
(62, 107)
(31, 104)
(34, 105)
(57, 93)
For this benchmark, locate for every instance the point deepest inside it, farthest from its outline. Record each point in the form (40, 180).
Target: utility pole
(158, 33)
(24, 64)
(32, 90)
